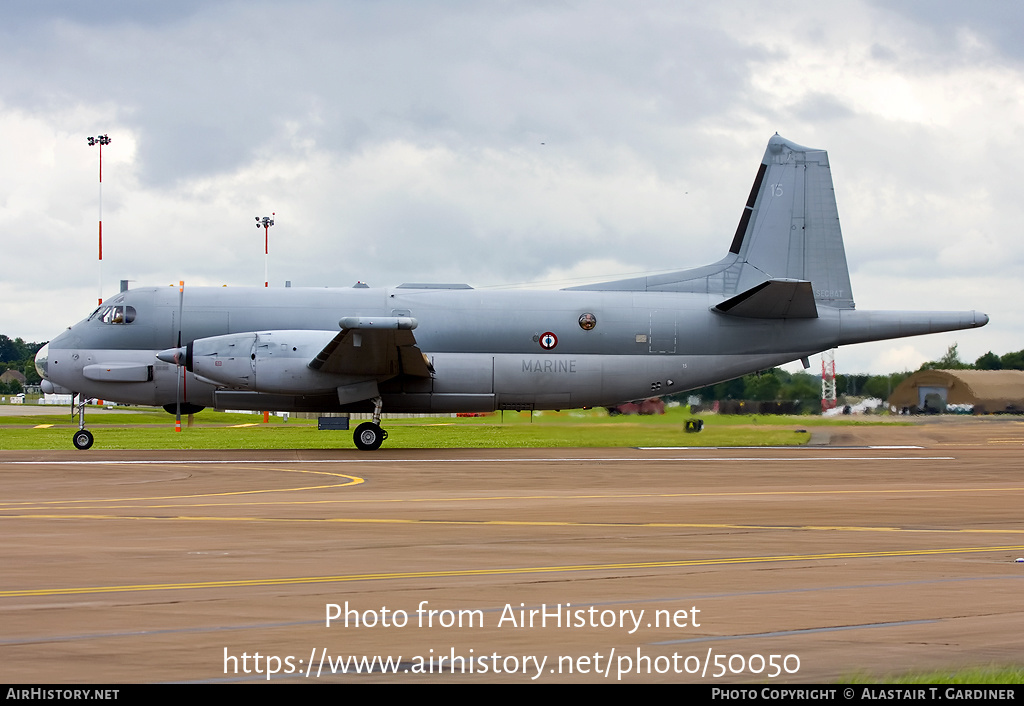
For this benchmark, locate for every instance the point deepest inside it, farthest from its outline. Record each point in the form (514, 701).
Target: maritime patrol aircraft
(781, 293)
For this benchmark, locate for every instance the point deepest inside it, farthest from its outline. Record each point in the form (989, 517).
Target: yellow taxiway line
(506, 571)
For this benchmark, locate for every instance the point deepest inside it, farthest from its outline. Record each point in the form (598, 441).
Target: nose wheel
(82, 439)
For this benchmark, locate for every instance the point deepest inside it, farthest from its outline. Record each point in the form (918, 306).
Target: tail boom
(863, 326)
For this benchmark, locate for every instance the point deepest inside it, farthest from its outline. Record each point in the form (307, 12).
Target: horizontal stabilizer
(774, 299)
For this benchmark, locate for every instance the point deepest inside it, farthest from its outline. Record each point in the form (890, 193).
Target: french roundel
(548, 341)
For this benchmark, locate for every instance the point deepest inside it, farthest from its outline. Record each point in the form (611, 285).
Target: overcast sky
(503, 143)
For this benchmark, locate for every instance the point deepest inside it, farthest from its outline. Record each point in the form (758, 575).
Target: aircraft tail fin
(789, 230)
(790, 225)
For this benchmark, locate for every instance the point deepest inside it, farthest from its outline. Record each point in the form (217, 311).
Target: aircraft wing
(383, 347)
(773, 299)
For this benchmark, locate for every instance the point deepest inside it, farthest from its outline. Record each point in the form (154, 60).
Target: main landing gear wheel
(82, 439)
(369, 436)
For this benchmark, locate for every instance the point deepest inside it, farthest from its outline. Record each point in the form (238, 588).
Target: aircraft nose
(175, 356)
(980, 319)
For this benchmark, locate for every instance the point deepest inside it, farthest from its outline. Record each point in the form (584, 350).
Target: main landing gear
(368, 435)
(83, 437)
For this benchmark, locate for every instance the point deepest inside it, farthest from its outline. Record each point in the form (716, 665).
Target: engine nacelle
(261, 361)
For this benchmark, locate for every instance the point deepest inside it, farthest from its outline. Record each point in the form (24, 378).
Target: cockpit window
(120, 314)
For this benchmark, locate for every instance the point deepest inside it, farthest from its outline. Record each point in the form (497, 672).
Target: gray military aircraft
(781, 293)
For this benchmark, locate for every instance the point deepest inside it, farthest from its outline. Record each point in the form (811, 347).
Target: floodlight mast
(266, 222)
(101, 140)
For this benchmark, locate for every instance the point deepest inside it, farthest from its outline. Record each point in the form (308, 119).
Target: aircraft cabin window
(588, 322)
(120, 314)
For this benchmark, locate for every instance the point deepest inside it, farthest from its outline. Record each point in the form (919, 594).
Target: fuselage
(489, 349)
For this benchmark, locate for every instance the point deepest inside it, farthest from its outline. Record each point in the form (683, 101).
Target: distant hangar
(988, 391)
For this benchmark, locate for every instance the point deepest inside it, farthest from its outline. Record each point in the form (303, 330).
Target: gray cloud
(997, 22)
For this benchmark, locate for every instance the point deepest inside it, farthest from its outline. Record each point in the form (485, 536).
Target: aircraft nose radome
(41, 355)
(980, 319)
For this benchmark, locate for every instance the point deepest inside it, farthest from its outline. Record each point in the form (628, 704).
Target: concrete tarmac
(722, 566)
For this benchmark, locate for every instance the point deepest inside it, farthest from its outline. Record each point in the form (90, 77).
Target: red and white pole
(101, 140)
(100, 295)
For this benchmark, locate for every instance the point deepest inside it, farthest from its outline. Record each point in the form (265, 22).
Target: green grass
(126, 416)
(991, 674)
(154, 429)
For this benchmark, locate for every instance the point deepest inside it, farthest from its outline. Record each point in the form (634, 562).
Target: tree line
(989, 361)
(18, 355)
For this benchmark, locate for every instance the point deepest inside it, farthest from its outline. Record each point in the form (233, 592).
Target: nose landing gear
(82, 438)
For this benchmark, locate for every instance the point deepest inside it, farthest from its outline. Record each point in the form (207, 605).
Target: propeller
(181, 368)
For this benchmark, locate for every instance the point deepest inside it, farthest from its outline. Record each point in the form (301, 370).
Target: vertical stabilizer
(790, 225)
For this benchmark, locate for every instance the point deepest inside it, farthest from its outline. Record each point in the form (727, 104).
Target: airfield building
(987, 391)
